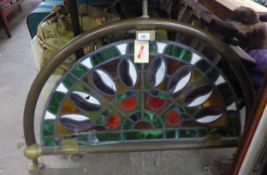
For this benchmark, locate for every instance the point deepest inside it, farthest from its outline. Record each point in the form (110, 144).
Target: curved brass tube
(230, 57)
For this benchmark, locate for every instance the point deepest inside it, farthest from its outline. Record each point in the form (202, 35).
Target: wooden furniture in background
(251, 158)
(6, 7)
(222, 8)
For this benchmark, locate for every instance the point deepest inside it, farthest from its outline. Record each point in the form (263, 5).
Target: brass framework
(34, 150)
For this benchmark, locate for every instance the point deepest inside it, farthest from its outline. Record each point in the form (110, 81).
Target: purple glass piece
(209, 114)
(124, 73)
(260, 56)
(85, 101)
(198, 96)
(76, 122)
(180, 79)
(105, 84)
(156, 71)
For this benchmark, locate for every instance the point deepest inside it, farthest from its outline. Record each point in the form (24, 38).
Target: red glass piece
(113, 121)
(155, 102)
(129, 103)
(173, 118)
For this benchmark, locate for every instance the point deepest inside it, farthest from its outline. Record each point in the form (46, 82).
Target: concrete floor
(16, 75)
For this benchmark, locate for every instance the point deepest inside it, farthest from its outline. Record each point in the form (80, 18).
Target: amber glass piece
(113, 121)
(68, 107)
(129, 103)
(143, 125)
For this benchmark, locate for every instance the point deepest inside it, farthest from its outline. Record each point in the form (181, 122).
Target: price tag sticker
(145, 35)
(141, 51)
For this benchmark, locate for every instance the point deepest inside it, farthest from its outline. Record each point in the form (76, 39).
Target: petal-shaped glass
(180, 79)
(128, 73)
(76, 122)
(198, 96)
(104, 82)
(209, 114)
(156, 71)
(85, 101)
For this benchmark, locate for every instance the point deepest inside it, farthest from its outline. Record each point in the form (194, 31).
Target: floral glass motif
(106, 97)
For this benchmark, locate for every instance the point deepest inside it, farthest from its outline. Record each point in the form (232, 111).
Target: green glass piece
(226, 94)
(178, 52)
(121, 96)
(130, 48)
(160, 94)
(55, 102)
(49, 141)
(143, 135)
(191, 111)
(187, 133)
(79, 70)
(152, 48)
(213, 74)
(105, 55)
(202, 132)
(149, 116)
(101, 120)
(109, 136)
(157, 123)
(173, 134)
(48, 127)
(80, 87)
(128, 125)
(203, 66)
(87, 138)
(233, 123)
(68, 81)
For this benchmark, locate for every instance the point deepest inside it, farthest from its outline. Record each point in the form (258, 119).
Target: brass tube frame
(34, 151)
(139, 24)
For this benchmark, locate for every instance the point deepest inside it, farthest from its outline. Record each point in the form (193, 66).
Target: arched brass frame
(33, 150)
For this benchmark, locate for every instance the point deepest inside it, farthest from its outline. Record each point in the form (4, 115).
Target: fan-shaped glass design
(105, 98)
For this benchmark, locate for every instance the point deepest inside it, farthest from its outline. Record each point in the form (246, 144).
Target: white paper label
(141, 51)
(143, 36)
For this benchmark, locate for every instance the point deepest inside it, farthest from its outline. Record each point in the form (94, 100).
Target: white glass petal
(122, 48)
(195, 58)
(182, 83)
(132, 72)
(160, 74)
(209, 119)
(232, 107)
(220, 80)
(87, 63)
(107, 80)
(87, 97)
(75, 117)
(49, 116)
(161, 47)
(200, 100)
(62, 88)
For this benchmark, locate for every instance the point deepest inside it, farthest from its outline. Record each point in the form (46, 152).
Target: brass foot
(35, 166)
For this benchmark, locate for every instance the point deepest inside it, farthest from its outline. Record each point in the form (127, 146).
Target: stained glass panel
(106, 97)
